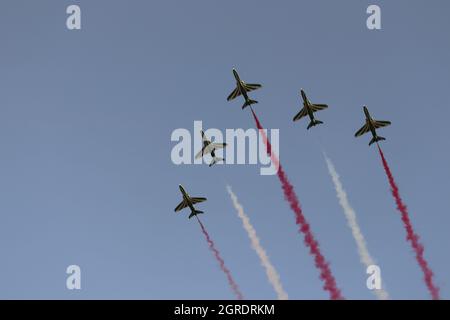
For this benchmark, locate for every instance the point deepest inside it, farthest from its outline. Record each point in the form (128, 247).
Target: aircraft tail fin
(376, 139)
(215, 160)
(196, 212)
(313, 123)
(248, 103)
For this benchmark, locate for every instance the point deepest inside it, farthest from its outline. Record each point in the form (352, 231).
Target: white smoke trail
(350, 214)
(271, 273)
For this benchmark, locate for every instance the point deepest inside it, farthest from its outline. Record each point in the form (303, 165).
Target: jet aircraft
(189, 201)
(241, 89)
(371, 125)
(210, 148)
(308, 110)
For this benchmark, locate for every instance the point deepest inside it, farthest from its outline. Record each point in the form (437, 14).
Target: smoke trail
(271, 273)
(289, 194)
(411, 235)
(219, 259)
(350, 214)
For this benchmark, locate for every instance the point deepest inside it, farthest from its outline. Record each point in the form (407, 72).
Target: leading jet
(308, 110)
(189, 201)
(241, 89)
(371, 125)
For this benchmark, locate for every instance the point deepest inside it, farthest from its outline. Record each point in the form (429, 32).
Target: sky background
(86, 118)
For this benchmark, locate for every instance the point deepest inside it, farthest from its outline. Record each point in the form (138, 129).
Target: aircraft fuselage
(205, 144)
(239, 85)
(307, 105)
(370, 122)
(187, 198)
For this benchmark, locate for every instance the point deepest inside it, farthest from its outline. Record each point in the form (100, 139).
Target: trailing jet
(309, 109)
(189, 201)
(241, 89)
(371, 125)
(210, 148)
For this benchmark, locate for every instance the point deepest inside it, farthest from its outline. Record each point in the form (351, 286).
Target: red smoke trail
(219, 259)
(311, 243)
(411, 235)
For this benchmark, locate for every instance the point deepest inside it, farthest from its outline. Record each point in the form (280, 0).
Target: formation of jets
(308, 109)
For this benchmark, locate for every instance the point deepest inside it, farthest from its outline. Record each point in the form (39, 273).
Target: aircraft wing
(236, 93)
(251, 86)
(197, 199)
(365, 128)
(301, 114)
(379, 124)
(200, 154)
(209, 148)
(317, 107)
(217, 145)
(183, 204)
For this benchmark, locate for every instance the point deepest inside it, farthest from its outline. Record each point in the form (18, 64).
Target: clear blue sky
(85, 124)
